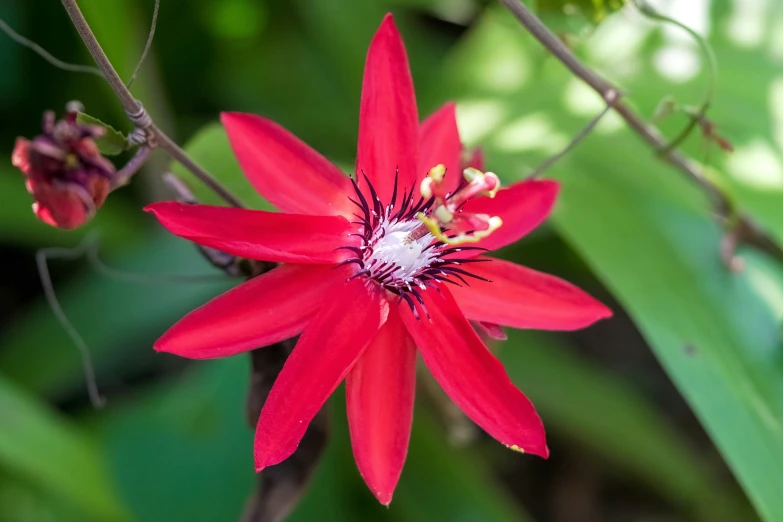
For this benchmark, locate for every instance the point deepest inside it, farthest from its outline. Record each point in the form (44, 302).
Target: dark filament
(375, 219)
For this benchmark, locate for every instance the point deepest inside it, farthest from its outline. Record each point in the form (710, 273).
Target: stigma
(408, 245)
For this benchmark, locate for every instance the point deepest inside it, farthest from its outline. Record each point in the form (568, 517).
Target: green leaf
(711, 329)
(211, 149)
(649, 235)
(118, 319)
(610, 416)
(112, 142)
(183, 452)
(38, 445)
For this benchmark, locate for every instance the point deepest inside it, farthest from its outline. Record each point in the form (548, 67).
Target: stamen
(448, 214)
(407, 245)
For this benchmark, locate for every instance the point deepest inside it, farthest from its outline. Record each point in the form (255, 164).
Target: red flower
(367, 284)
(66, 173)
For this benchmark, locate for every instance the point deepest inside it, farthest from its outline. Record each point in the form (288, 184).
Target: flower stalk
(132, 167)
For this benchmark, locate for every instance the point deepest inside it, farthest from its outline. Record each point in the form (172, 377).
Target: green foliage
(51, 453)
(593, 406)
(199, 464)
(575, 17)
(210, 149)
(114, 316)
(173, 443)
(649, 236)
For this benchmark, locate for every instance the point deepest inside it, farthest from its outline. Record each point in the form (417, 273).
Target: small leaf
(113, 142)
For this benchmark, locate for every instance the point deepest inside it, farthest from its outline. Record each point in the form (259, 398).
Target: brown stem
(646, 131)
(135, 110)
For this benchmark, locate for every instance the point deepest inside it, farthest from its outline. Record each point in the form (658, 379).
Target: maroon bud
(65, 172)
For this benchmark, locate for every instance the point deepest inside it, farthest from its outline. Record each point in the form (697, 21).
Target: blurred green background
(671, 411)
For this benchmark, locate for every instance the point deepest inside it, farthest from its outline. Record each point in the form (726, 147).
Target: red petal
(285, 170)
(326, 351)
(269, 236)
(388, 120)
(524, 298)
(20, 156)
(522, 207)
(491, 330)
(439, 143)
(475, 159)
(473, 378)
(265, 310)
(379, 392)
(62, 205)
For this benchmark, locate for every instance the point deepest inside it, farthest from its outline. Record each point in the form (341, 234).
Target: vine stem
(610, 98)
(712, 69)
(134, 108)
(646, 131)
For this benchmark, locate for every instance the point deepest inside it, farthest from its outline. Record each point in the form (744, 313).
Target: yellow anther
(434, 226)
(436, 175)
(426, 188)
(438, 172)
(494, 223)
(514, 447)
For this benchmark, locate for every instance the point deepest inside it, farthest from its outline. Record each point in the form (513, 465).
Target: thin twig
(46, 55)
(132, 167)
(611, 99)
(174, 150)
(147, 46)
(93, 258)
(646, 131)
(89, 248)
(41, 258)
(135, 110)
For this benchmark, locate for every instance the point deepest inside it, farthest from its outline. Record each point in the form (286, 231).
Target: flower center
(405, 246)
(394, 258)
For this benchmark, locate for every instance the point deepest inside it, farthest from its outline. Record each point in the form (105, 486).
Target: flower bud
(65, 172)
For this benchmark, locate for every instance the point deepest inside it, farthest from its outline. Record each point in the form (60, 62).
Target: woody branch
(134, 109)
(739, 228)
